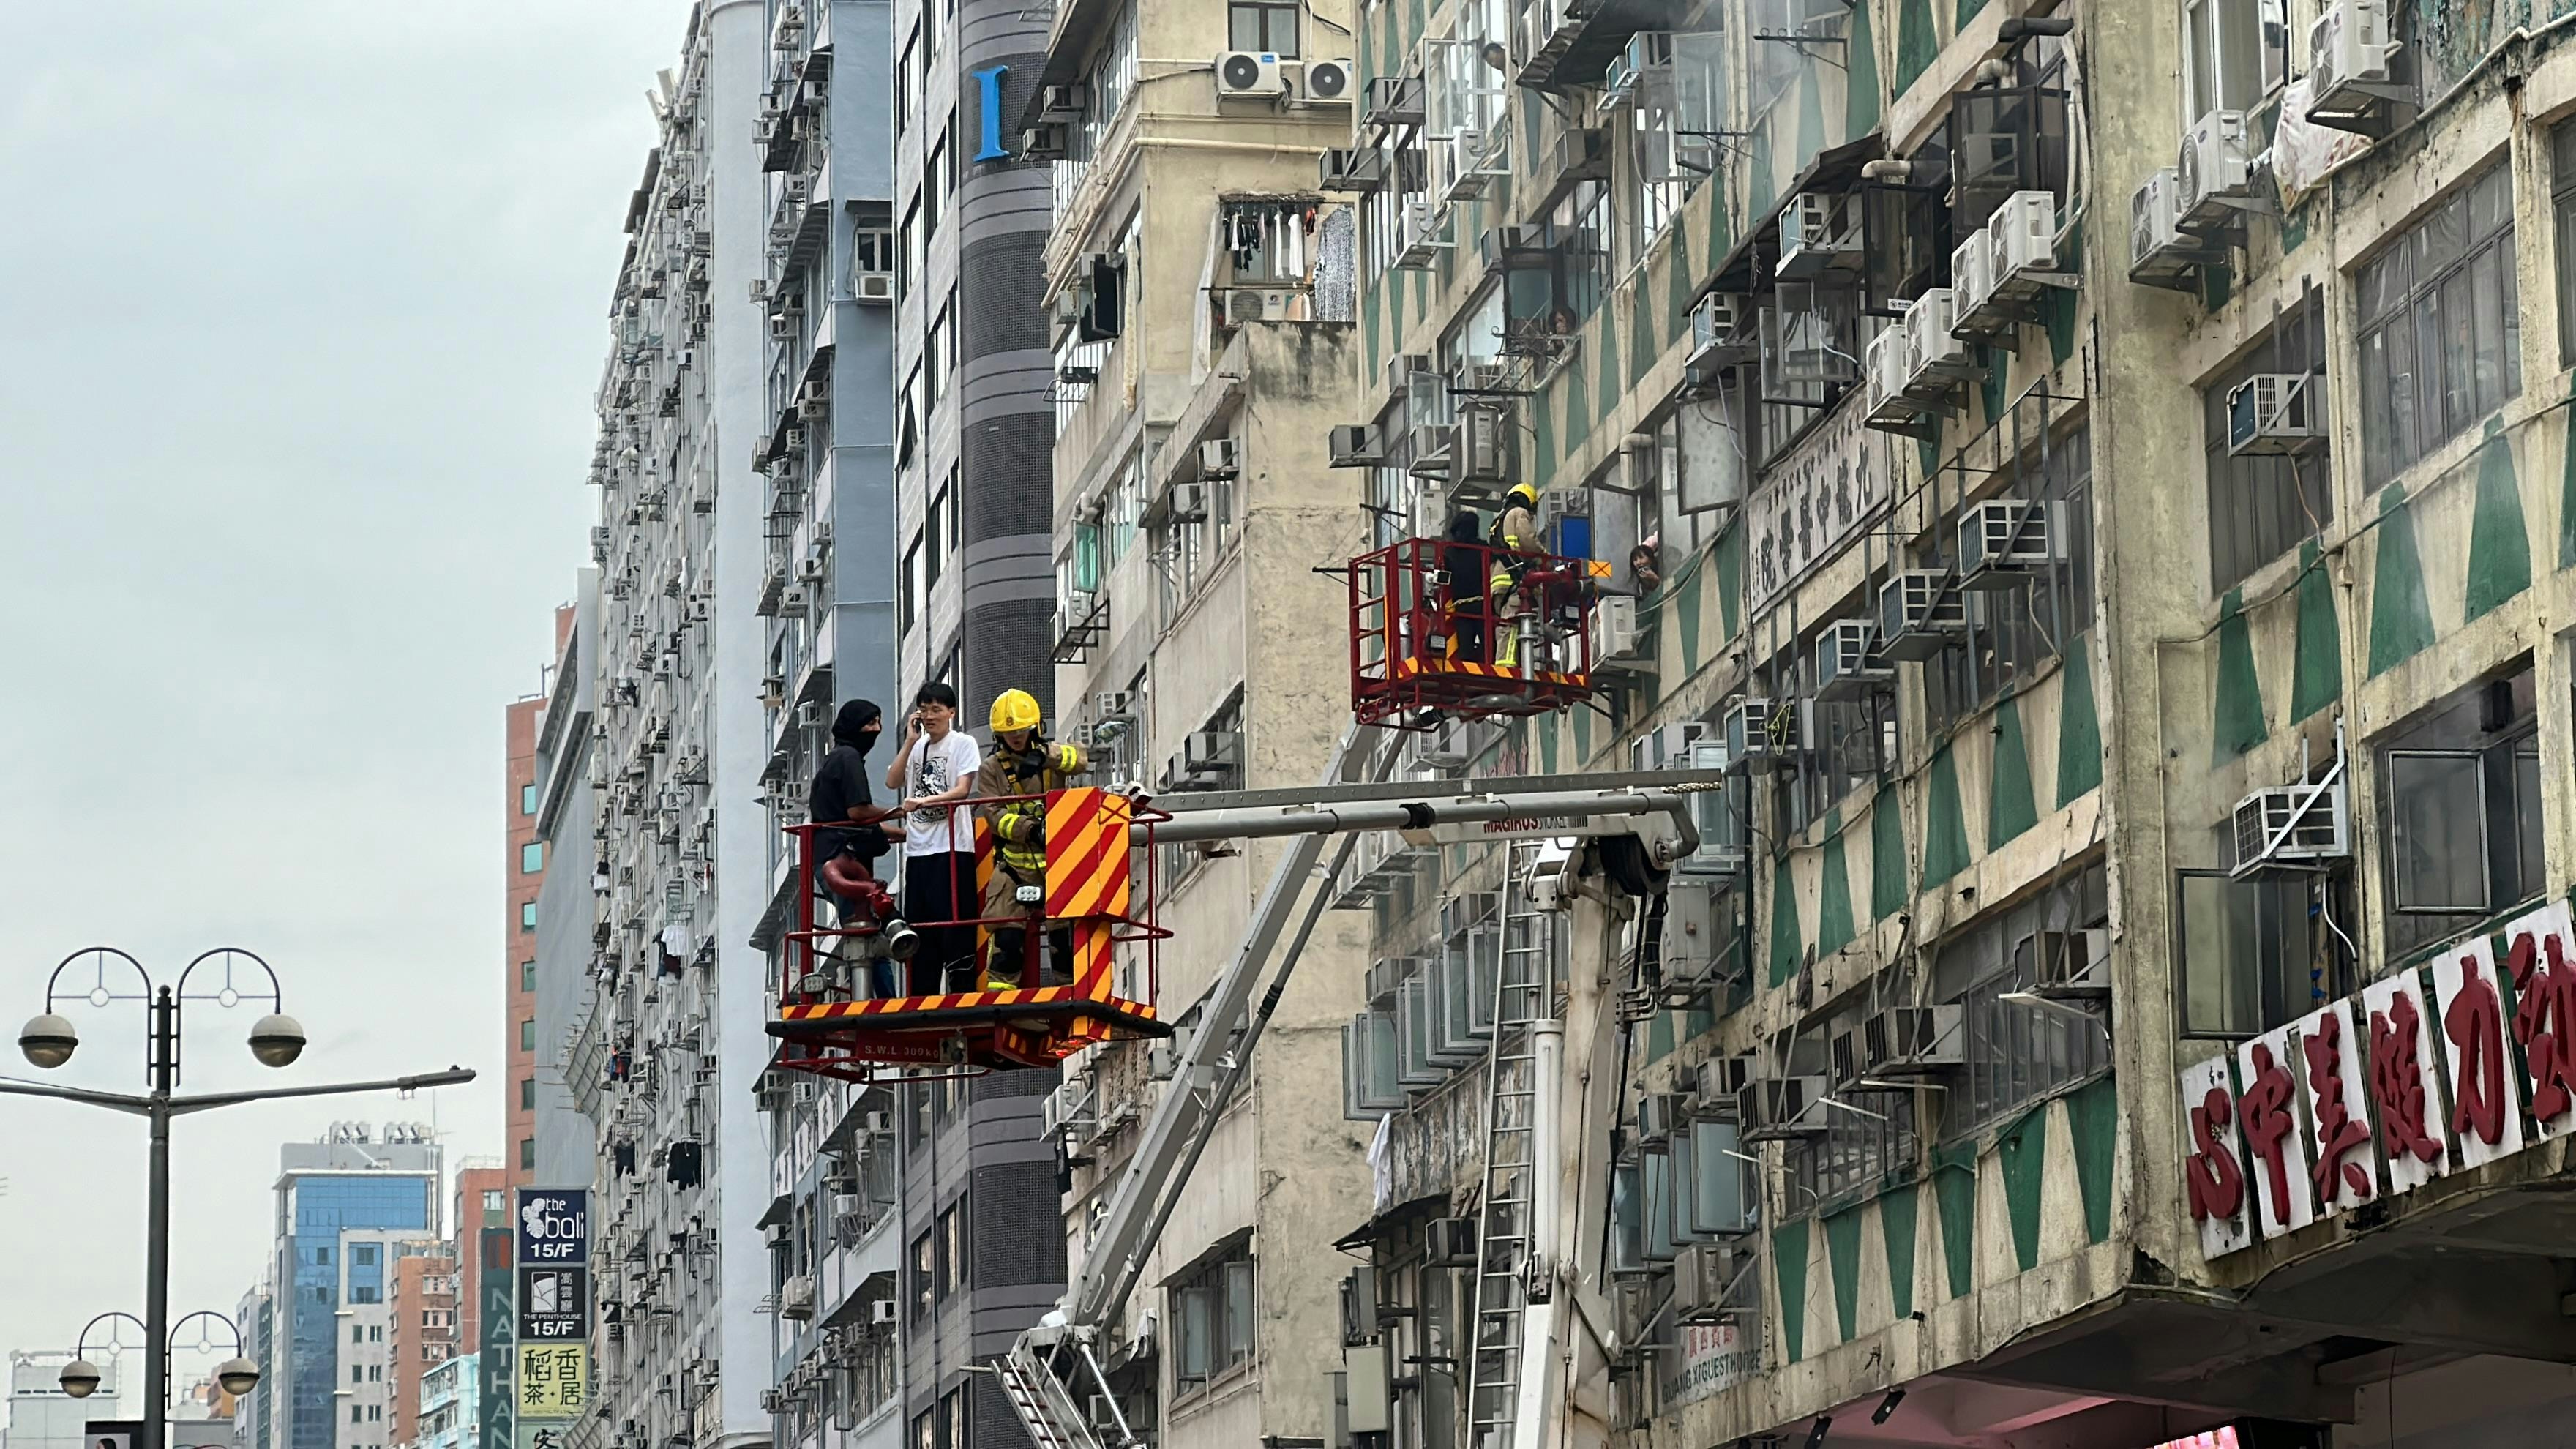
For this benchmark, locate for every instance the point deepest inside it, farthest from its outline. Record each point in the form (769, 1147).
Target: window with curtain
(2440, 327)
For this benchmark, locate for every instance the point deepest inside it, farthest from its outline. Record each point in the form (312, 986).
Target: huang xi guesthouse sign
(2434, 1069)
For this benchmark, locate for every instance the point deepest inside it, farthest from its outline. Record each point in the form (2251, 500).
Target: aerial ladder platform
(1633, 830)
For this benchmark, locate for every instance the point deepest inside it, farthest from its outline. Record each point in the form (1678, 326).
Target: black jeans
(933, 885)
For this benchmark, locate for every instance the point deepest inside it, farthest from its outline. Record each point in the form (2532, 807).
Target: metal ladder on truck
(1516, 1115)
(1354, 797)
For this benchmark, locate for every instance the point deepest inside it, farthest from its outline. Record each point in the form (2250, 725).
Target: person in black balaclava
(1464, 588)
(840, 792)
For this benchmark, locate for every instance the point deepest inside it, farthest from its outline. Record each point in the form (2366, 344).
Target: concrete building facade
(2212, 741)
(829, 291)
(563, 988)
(41, 1415)
(743, 429)
(1203, 346)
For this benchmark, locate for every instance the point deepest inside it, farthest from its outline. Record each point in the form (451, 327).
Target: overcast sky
(301, 306)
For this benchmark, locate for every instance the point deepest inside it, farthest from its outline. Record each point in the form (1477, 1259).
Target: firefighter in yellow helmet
(1515, 541)
(1023, 762)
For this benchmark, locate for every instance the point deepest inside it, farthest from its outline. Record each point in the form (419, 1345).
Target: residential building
(1204, 346)
(41, 1415)
(2105, 510)
(526, 864)
(710, 611)
(829, 449)
(370, 1381)
(421, 1332)
(448, 1408)
(355, 1179)
(558, 971)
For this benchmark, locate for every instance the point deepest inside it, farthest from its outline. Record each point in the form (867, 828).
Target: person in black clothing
(840, 792)
(1463, 586)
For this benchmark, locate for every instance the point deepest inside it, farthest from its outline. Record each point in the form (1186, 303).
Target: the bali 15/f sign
(2434, 1069)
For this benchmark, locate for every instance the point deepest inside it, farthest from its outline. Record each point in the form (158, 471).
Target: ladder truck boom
(1212, 1059)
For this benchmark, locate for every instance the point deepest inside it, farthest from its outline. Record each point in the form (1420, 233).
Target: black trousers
(934, 886)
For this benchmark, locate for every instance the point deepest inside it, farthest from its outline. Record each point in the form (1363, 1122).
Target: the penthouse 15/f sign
(2460, 1062)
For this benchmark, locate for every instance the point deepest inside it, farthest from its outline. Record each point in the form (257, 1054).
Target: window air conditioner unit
(1721, 1079)
(1909, 1041)
(1242, 73)
(1939, 358)
(1919, 615)
(2276, 413)
(1328, 80)
(2002, 540)
(1393, 100)
(1666, 748)
(796, 1297)
(1212, 754)
(1065, 100)
(1188, 503)
(1719, 330)
(1816, 232)
(1452, 1242)
(1484, 446)
(2068, 963)
(1660, 1115)
(1774, 1109)
(1421, 220)
(883, 1311)
(2213, 169)
(1361, 169)
(1110, 704)
(1702, 1274)
(1746, 730)
(1972, 275)
(873, 286)
(814, 399)
(1045, 141)
(1847, 662)
(2348, 54)
(1219, 458)
(775, 1235)
(2290, 824)
(1400, 370)
(1354, 445)
(1432, 443)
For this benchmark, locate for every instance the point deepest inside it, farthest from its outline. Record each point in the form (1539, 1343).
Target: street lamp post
(49, 1039)
(236, 1375)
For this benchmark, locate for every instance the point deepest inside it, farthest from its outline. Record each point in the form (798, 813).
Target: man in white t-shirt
(934, 770)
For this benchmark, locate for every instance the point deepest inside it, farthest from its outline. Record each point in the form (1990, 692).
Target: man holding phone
(934, 770)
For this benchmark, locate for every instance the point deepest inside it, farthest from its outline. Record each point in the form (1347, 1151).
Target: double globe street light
(236, 1375)
(49, 1039)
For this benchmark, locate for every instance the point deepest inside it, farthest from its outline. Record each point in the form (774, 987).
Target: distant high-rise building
(251, 1415)
(369, 1386)
(353, 1179)
(560, 990)
(481, 1186)
(525, 864)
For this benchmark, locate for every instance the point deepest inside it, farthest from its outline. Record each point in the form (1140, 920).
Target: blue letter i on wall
(988, 99)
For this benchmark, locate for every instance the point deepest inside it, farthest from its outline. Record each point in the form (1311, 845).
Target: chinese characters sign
(1817, 499)
(2460, 1063)
(1713, 1356)
(552, 1370)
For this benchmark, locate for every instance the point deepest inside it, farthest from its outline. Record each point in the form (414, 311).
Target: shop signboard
(2461, 1061)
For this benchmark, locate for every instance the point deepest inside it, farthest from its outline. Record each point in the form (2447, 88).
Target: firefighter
(1024, 762)
(1460, 573)
(1515, 543)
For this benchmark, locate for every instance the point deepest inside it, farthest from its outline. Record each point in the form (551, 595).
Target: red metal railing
(1428, 631)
